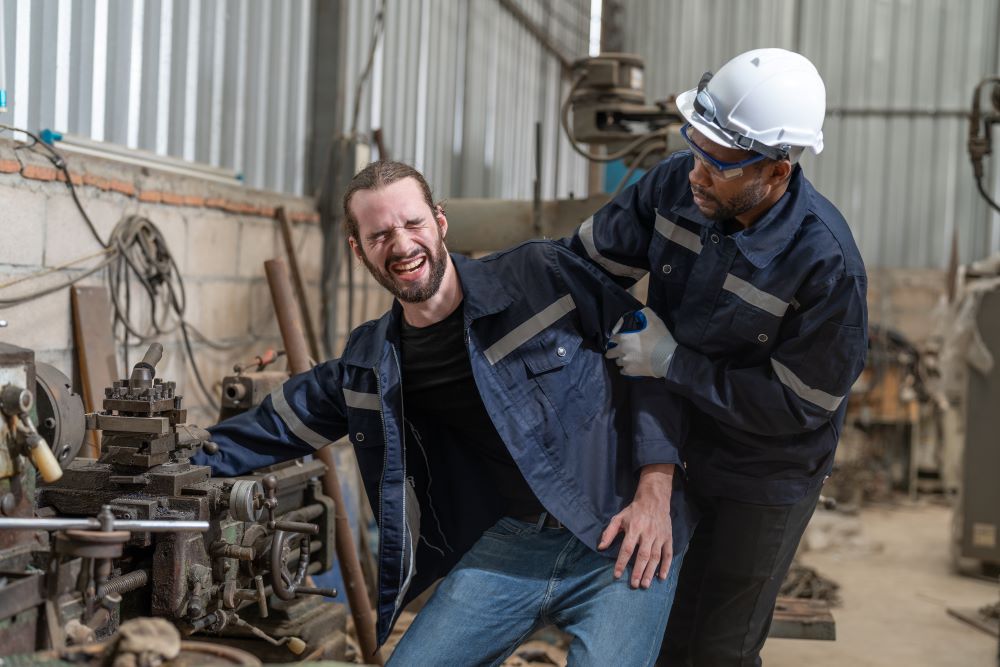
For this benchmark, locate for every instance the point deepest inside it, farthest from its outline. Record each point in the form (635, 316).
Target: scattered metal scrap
(804, 582)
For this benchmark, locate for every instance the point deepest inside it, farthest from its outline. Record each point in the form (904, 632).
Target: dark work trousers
(736, 561)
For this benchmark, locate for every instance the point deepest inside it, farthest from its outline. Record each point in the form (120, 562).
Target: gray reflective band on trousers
(818, 397)
(293, 422)
(754, 296)
(677, 234)
(530, 328)
(586, 234)
(361, 400)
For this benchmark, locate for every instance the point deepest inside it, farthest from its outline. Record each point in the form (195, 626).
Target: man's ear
(355, 247)
(441, 220)
(779, 170)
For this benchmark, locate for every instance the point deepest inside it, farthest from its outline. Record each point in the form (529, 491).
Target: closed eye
(375, 239)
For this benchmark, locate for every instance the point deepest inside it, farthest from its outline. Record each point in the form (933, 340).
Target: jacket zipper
(385, 462)
(397, 607)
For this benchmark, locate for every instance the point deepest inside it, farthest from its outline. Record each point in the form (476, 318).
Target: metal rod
(131, 525)
(347, 554)
(300, 290)
(288, 319)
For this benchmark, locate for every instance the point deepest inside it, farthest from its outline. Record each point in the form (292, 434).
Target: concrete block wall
(219, 235)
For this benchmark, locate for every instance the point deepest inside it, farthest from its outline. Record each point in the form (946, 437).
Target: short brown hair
(378, 175)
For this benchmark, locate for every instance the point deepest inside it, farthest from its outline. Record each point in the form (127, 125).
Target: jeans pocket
(505, 528)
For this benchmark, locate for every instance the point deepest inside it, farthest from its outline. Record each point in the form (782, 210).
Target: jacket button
(715, 238)
(762, 338)
(561, 351)
(667, 268)
(359, 437)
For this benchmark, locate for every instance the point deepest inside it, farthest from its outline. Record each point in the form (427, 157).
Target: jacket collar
(483, 293)
(770, 235)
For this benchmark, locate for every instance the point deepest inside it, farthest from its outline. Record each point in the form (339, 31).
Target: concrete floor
(895, 598)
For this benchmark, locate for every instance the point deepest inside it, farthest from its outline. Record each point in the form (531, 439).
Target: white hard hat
(765, 100)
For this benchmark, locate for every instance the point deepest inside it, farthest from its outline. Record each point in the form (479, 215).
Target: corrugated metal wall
(457, 87)
(224, 82)
(899, 76)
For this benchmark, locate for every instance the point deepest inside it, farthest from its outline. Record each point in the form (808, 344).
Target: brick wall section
(219, 235)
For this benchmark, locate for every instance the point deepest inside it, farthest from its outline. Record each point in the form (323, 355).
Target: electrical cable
(979, 147)
(989, 200)
(643, 154)
(16, 301)
(377, 29)
(59, 162)
(52, 269)
(137, 251)
(611, 157)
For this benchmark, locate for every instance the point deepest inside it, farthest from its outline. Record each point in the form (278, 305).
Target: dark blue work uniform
(537, 319)
(771, 326)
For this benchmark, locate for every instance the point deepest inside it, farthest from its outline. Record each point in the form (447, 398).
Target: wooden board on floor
(798, 618)
(95, 351)
(971, 615)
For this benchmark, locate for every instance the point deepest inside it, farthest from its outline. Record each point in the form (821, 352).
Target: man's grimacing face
(401, 239)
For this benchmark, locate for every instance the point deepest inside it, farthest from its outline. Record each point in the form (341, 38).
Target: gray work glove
(644, 348)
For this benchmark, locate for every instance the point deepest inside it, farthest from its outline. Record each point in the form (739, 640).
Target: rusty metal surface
(300, 290)
(144, 479)
(20, 591)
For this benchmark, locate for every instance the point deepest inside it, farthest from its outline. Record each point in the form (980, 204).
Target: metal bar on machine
(131, 525)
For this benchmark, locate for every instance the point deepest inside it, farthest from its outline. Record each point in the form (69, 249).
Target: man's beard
(436, 260)
(739, 204)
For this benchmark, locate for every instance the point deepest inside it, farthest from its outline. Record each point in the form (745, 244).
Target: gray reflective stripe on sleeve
(292, 420)
(586, 233)
(678, 234)
(755, 296)
(804, 391)
(530, 328)
(357, 399)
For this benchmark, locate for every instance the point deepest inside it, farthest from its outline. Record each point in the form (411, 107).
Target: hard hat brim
(685, 104)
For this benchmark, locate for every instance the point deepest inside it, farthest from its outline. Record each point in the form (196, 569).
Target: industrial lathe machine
(86, 544)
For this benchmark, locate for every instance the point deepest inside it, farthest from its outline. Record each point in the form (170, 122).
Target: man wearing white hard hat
(756, 316)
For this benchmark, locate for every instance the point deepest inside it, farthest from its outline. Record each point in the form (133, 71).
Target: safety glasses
(724, 171)
(704, 105)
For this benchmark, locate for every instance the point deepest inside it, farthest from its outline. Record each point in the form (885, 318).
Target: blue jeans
(519, 577)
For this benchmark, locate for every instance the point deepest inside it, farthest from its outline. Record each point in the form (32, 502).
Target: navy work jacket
(537, 321)
(771, 323)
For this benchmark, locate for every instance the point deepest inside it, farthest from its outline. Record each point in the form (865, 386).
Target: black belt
(543, 520)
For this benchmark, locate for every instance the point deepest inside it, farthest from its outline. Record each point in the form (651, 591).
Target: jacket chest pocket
(755, 326)
(364, 418)
(670, 262)
(554, 362)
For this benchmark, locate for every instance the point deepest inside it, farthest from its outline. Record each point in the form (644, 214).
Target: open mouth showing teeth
(409, 267)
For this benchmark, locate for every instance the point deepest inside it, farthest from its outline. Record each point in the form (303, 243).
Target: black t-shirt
(439, 393)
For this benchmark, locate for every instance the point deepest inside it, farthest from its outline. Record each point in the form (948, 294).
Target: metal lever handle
(294, 527)
(153, 355)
